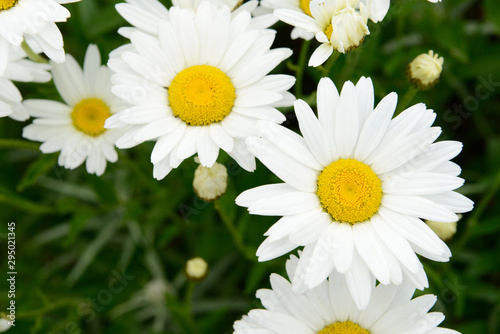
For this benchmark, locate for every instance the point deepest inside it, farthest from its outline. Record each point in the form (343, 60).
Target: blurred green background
(106, 254)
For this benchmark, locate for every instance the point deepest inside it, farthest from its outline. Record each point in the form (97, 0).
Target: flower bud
(210, 183)
(348, 26)
(425, 69)
(4, 323)
(196, 269)
(443, 230)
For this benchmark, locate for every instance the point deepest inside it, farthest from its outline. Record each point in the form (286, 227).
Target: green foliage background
(76, 231)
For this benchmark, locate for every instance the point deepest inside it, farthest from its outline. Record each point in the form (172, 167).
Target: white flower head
(76, 127)
(145, 15)
(18, 68)
(425, 69)
(198, 87)
(210, 183)
(338, 24)
(356, 187)
(33, 20)
(329, 309)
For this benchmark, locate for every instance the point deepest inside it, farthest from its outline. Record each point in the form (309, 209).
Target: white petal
(346, 122)
(313, 133)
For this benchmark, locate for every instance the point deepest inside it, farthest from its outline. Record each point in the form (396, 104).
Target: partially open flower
(445, 231)
(425, 69)
(196, 269)
(210, 183)
(338, 24)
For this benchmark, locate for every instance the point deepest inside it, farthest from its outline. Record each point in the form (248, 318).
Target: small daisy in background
(200, 86)
(356, 187)
(18, 68)
(329, 309)
(76, 127)
(33, 21)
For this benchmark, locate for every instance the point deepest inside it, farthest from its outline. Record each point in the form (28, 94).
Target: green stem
(350, 65)
(32, 55)
(299, 72)
(234, 233)
(16, 143)
(325, 70)
(48, 308)
(187, 300)
(406, 100)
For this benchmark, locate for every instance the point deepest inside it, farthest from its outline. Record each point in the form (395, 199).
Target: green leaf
(76, 225)
(39, 167)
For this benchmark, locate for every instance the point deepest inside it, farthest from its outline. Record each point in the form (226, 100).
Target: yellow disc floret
(345, 327)
(328, 31)
(7, 4)
(201, 95)
(304, 5)
(89, 116)
(349, 191)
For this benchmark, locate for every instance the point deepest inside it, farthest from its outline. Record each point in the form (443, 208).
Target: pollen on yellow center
(89, 116)
(344, 327)
(201, 95)
(304, 5)
(7, 4)
(349, 191)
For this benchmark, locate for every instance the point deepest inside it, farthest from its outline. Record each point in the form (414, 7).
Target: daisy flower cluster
(202, 77)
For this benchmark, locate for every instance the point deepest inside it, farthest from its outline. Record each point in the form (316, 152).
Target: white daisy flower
(18, 68)
(356, 187)
(200, 86)
(145, 15)
(329, 309)
(76, 127)
(337, 24)
(33, 20)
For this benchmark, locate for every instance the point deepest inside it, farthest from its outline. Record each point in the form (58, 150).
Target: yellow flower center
(349, 191)
(7, 4)
(89, 116)
(304, 4)
(201, 95)
(345, 327)
(328, 31)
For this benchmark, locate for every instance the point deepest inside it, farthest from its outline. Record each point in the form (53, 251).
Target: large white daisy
(76, 127)
(145, 15)
(337, 24)
(201, 85)
(356, 187)
(33, 20)
(18, 68)
(329, 309)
